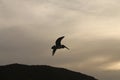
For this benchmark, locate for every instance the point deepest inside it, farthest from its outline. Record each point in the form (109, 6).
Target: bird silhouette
(58, 45)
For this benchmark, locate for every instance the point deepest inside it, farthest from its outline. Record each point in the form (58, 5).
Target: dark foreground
(39, 72)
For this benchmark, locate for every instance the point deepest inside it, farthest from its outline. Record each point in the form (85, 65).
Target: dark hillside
(39, 72)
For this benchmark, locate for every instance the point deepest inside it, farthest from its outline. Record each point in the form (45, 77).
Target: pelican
(58, 45)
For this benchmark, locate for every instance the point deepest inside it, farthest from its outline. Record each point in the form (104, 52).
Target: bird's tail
(53, 51)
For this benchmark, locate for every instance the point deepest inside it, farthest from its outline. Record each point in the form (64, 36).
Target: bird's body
(58, 45)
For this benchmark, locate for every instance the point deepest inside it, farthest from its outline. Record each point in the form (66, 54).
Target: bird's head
(63, 46)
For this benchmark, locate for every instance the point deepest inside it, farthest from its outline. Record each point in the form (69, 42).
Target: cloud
(93, 7)
(28, 29)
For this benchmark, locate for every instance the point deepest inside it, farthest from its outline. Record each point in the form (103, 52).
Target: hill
(39, 72)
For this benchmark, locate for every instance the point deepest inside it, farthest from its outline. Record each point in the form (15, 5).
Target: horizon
(29, 28)
(24, 72)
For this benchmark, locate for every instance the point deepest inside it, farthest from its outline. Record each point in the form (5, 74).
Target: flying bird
(58, 45)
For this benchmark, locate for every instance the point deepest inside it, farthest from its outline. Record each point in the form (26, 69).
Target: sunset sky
(28, 29)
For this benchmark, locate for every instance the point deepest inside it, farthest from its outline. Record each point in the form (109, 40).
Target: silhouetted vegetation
(39, 72)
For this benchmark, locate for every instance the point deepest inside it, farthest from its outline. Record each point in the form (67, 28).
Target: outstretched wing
(53, 52)
(58, 41)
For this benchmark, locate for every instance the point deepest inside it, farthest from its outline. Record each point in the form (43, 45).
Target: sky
(28, 29)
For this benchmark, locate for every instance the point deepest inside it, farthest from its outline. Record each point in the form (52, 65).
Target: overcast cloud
(28, 29)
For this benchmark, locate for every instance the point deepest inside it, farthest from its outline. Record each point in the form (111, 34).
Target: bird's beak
(67, 48)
